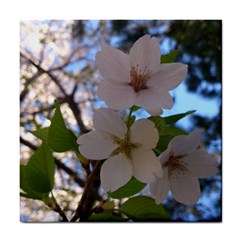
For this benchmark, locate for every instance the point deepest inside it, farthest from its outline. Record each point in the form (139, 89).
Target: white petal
(185, 188)
(167, 76)
(163, 157)
(115, 172)
(160, 187)
(183, 144)
(201, 164)
(153, 101)
(145, 165)
(165, 99)
(116, 96)
(144, 134)
(94, 146)
(113, 64)
(154, 110)
(107, 120)
(145, 52)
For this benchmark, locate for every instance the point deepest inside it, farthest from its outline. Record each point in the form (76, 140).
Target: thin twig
(58, 209)
(69, 99)
(30, 81)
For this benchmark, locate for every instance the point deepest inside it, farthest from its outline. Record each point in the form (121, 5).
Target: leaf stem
(129, 116)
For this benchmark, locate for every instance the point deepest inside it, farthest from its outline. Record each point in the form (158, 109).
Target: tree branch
(55, 207)
(26, 89)
(79, 211)
(69, 99)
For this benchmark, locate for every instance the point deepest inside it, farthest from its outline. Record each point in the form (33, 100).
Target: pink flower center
(139, 78)
(176, 165)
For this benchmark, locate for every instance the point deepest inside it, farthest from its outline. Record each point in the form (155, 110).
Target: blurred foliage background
(57, 61)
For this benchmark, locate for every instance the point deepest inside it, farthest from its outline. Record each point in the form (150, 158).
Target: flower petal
(154, 110)
(145, 165)
(94, 146)
(160, 187)
(116, 96)
(185, 188)
(145, 52)
(113, 64)
(163, 157)
(115, 172)
(144, 134)
(153, 101)
(201, 164)
(167, 76)
(109, 121)
(183, 144)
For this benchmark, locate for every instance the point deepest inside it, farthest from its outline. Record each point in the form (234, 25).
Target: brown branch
(77, 113)
(28, 144)
(68, 62)
(66, 169)
(55, 207)
(30, 81)
(41, 70)
(69, 99)
(82, 202)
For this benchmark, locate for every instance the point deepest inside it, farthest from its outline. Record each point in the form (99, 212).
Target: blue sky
(185, 101)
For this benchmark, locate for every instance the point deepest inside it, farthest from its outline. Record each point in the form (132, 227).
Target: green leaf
(143, 208)
(135, 108)
(60, 138)
(159, 123)
(24, 185)
(40, 170)
(174, 118)
(108, 205)
(106, 216)
(170, 57)
(41, 133)
(131, 121)
(131, 188)
(166, 136)
(165, 133)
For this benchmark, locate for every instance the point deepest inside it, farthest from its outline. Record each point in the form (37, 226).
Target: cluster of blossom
(139, 79)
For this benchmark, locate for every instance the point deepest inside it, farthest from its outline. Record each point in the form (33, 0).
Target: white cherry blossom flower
(128, 151)
(138, 78)
(183, 163)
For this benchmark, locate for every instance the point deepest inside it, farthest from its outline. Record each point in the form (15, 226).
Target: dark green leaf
(41, 133)
(60, 138)
(40, 170)
(131, 188)
(159, 123)
(143, 208)
(131, 121)
(106, 216)
(174, 118)
(108, 205)
(165, 133)
(24, 185)
(166, 136)
(135, 108)
(170, 57)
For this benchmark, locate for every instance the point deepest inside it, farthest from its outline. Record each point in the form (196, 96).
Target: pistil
(176, 165)
(139, 78)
